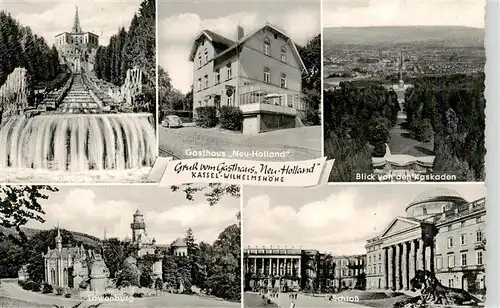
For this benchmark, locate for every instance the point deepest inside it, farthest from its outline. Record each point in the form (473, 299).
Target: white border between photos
(491, 41)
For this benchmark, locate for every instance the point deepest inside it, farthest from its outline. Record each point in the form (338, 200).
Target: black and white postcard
(77, 91)
(371, 245)
(404, 90)
(239, 79)
(111, 246)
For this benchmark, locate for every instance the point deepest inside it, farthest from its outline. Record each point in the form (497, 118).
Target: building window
(199, 84)
(267, 75)
(424, 210)
(479, 236)
(229, 71)
(200, 64)
(206, 102)
(374, 269)
(478, 220)
(479, 257)
(283, 54)
(463, 259)
(380, 257)
(217, 75)
(230, 100)
(439, 262)
(450, 242)
(451, 261)
(380, 268)
(450, 227)
(369, 259)
(206, 55)
(267, 46)
(462, 224)
(206, 81)
(283, 80)
(450, 283)
(463, 239)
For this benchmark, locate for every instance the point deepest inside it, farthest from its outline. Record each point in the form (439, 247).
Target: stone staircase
(79, 98)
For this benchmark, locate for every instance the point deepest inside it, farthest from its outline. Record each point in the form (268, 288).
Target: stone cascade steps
(78, 99)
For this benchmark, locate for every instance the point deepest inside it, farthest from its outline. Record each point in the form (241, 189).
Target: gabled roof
(222, 41)
(219, 42)
(411, 220)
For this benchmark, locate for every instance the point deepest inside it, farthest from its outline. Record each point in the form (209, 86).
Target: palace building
(77, 48)
(261, 73)
(442, 233)
(69, 267)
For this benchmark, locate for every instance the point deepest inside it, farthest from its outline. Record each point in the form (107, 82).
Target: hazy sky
(180, 22)
(364, 13)
(336, 219)
(49, 18)
(167, 214)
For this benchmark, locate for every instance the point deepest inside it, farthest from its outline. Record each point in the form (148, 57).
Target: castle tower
(76, 24)
(138, 226)
(58, 240)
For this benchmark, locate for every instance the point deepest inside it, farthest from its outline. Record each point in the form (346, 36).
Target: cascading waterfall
(78, 142)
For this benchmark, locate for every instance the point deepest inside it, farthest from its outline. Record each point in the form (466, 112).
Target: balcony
(256, 108)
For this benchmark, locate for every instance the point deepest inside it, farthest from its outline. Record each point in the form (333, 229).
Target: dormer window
(267, 46)
(283, 54)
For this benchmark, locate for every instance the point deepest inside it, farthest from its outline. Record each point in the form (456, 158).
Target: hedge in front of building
(231, 118)
(206, 116)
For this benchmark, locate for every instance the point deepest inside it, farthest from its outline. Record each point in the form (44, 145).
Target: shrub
(31, 286)
(59, 290)
(67, 295)
(137, 295)
(21, 283)
(206, 116)
(379, 150)
(231, 118)
(107, 295)
(47, 288)
(426, 131)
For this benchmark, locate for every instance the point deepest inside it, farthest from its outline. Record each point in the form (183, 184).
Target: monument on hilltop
(77, 48)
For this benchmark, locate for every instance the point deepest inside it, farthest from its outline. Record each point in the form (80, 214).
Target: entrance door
(465, 284)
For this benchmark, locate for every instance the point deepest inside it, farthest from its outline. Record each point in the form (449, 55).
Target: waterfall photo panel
(112, 246)
(404, 91)
(239, 79)
(78, 93)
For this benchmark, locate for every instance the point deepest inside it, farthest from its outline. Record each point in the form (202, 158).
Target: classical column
(385, 275)
(300, 267)
(404, 266)
(431, 265)
(424, 257)
(263, 266)
(255, 265)
(418, 252)
(278, 265)
(390, 267)
(398, 266)
(412, 261)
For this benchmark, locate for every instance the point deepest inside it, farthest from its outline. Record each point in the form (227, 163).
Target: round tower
(138, 226)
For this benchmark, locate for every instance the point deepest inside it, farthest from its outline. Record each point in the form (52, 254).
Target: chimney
(240, 32)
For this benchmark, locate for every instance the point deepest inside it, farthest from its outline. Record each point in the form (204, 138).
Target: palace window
(229, 71)
(479, 236)
(230, 100)
(217, 76)
(206, 81)
(463, 259)
(451, 261)
(283, 80)
(380, 257)
(380, 268)
(267, 75)
(199, 84)
(450, 283)
(374, 269)
(479, 257)
(283, 54)
(463, 239)
(267, 46)
(450, 242)
(439, 263)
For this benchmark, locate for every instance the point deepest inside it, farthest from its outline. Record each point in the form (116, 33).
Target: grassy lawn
(14, 303)
(256, 301)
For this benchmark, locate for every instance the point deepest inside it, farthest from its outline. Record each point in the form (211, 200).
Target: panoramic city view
(403, 96)
(302, 249)
(78, 91)
(67, 247)
(239, 80)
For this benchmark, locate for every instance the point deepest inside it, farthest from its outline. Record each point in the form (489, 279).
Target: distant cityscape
(444, 56)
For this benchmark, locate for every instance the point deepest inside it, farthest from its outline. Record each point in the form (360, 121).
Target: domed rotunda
(434, 201)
